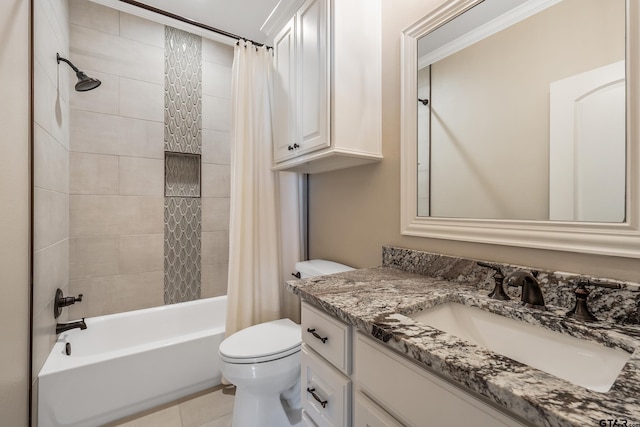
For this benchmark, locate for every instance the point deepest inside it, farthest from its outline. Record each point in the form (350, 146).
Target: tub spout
(62, 327)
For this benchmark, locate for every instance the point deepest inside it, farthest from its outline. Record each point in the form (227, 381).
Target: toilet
(263, 362)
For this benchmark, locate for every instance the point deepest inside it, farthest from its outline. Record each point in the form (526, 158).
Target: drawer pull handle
(316, 397)
(315, 334)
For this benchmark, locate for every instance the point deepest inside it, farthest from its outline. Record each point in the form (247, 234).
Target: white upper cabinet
(327, 82)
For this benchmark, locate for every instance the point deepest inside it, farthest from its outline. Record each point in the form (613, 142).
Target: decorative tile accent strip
(182, 249)
(181, 175)
(183, 146)
(616, 305)
(183, 92)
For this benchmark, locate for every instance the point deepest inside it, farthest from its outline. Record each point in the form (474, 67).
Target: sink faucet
(531, 292)
(62, 327)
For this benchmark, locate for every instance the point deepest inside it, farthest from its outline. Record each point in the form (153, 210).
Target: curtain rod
(189, 21)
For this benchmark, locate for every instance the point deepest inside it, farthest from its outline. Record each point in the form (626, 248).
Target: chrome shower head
(85, 82)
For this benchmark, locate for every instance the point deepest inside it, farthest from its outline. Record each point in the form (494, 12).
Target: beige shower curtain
(260, 249)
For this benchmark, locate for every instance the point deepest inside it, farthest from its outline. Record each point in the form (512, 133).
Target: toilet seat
(262, 343)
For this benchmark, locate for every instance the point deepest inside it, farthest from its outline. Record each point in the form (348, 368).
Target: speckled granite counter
(376, 301)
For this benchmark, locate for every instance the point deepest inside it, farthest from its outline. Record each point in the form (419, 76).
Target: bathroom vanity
(369, 358)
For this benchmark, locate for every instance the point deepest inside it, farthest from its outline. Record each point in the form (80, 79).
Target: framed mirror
(519, 129)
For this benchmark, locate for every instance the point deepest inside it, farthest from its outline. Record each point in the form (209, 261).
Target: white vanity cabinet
(327, 87)
(349, 379)
(406, 394)
(326, 368)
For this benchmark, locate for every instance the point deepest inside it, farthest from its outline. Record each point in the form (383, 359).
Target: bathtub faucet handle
(61, 301)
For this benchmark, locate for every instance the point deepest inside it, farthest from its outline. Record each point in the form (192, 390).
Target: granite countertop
(377, 300)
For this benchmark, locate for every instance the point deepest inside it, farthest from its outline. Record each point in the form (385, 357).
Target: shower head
(85, 82)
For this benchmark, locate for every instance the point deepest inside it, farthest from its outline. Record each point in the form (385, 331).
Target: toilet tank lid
(320, 267)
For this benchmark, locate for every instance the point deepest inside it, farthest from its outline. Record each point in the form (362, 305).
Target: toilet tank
(320, 267)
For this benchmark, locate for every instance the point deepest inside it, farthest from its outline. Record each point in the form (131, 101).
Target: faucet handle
(61, 301)
(498, 290)
(580, 310)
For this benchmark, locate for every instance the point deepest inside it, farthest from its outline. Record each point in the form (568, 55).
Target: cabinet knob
(295, 145)
(290, 148)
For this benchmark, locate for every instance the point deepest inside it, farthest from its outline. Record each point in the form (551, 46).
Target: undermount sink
(580, 362)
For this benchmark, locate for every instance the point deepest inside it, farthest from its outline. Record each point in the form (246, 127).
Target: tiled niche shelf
(182, 176)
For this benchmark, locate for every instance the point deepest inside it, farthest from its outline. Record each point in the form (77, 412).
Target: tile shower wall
(51, 170)
(116, 202)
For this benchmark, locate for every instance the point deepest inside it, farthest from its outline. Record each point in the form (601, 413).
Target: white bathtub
(125, 363)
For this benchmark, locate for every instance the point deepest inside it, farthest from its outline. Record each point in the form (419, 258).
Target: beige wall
(354, 212)
(14, 215)
(490, 103)
(116, 246)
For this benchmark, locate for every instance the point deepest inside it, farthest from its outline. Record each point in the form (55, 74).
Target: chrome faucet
(531, 292)
(62, 327)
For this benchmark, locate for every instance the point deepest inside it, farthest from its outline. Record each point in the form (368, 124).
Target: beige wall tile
(51, 217)
(103, 99)
(216, 147)
(92, 15)
(114, 294)
(48, 43)
(215, 247)
(51, 162)
(50, 271)
(215, 213)
(141, 177)
(207, 407)
(217, 52)
(44, 102)
(214, 280)
(216, 180)
(93, 256)
(141, 30)
(216, 80)
(141, 100)
(44, 334)
(111, 54)
(216, 113)
(107, 134)
(93, 174)
(140, 253)
(115, 215)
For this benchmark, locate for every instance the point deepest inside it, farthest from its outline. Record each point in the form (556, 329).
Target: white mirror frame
(622, 239)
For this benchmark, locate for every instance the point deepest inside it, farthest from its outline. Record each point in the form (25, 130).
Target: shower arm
(60, 58)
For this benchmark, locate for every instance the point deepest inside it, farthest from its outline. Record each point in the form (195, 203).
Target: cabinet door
(312, 58)
(368, 414)
(284, 99)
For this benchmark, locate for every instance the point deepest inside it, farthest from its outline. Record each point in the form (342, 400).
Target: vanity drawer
(306, 420)
(326, 393)
(368, 414)
(328, 336)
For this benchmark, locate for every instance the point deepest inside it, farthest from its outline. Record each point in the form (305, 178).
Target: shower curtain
(262, 252)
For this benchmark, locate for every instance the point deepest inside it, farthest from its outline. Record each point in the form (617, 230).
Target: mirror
(489, 150)
(527, 106)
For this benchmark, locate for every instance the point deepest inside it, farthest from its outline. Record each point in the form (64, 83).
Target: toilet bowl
(263, 362)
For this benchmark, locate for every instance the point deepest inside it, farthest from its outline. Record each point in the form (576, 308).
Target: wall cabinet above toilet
(327, 87)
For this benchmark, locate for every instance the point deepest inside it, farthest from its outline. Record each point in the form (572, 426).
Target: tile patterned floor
(210, 408)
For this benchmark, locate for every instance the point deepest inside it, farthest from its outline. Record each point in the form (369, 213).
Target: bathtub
(125, 363)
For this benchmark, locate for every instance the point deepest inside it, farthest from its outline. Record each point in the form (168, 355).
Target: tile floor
(209, 408)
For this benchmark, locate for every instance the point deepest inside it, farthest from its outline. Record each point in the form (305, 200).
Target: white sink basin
(580, 362)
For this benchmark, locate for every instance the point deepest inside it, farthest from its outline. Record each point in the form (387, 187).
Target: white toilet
(263, 361)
